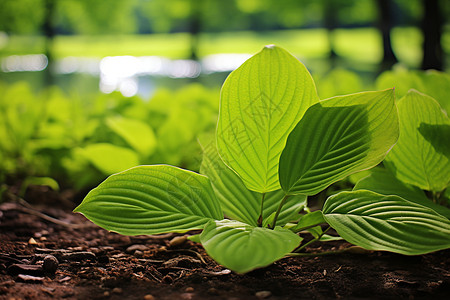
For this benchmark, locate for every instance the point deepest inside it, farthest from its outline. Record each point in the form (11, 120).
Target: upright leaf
(422, 154)
(109, 158)
(242, 248)
(151, 200)
(378, 222)
(260, 104)
(338, 137)
(236, 200)
(136, 133)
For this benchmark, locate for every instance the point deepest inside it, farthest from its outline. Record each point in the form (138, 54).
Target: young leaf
(236, 200)
(260, 104)
(338, 137)
(108, 158)
(309, 220)
(242, 248)
(378, 222)
(383, 182)
(136, 133)
(422, 154)
(151, 200)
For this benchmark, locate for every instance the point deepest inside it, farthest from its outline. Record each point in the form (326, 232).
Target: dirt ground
(68, 257)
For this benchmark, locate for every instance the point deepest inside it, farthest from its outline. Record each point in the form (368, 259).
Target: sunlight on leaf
(338, 137)
(151, 200)
(260, 104)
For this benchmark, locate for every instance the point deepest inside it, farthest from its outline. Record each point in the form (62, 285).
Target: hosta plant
(276, 143)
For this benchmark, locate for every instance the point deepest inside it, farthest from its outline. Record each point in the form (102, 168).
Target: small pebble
(189, 289)
(149, 297)
(213, 291)
(138, 253)
(32, 241)
(117, 290)
(178, 240)
(263, 294)
(106, 294)
(50, 264)
(133, 248)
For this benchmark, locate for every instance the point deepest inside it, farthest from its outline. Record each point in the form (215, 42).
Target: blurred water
(125, 73)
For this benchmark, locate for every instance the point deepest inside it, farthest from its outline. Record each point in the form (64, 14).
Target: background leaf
(383, 182)
(421, 155)
(378, 222)
(137, 134)
(338, 137)
(237, 201)
(260, 104)
(108, 158)
(151, 200)
(242, 247)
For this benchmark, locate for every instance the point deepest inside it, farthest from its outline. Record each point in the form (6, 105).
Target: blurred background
(92, 87)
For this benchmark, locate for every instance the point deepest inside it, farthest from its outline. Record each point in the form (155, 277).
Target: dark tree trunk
(195, 27)
(49, 33)
(432, 32)
(385, 26)
(330, 22)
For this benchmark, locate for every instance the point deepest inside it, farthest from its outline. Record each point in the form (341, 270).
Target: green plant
(276, 143)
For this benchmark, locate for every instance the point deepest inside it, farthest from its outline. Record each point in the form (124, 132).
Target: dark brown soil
(40, 259)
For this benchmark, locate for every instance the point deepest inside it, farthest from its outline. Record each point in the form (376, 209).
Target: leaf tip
(271, 46)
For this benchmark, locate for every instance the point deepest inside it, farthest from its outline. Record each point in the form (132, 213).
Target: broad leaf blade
(383, 182)
(422, 155)
(378, 222)
(309, 220)
(109, 158)
(151, 200)
(236, 200)
(242, 248)
(136, 133)
(260, 104)
(338, 137)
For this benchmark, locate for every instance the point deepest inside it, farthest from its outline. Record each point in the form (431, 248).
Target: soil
(67, 257)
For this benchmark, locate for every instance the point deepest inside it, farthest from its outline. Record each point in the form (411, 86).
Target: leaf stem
(260, 219)
(313, 240)
(283, 201)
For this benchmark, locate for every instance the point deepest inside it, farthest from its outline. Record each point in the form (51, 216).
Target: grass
(361, 44)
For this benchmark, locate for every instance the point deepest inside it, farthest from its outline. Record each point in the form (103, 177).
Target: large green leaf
(236, 200)
(151, 200)
(431, 82)
(383, 182)
(136, 133)
(260, 104)
(338, 137)
(378, 222)
(242, 248)
(109, 158)
(422, 155)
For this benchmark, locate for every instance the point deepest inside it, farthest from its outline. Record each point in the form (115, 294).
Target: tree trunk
(385, 26)
(195, 26)
(330, 23)
(49, 33)
(432, 32)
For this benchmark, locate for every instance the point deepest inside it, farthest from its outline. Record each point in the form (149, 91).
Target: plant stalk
(313, 240)
(260, 219)
(283, 201)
